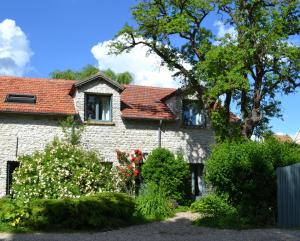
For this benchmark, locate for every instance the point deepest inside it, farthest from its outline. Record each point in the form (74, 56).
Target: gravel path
(178, 228)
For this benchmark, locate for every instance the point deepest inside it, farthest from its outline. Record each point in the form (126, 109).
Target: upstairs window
(193, 114)
(21, 98)
(98, 107)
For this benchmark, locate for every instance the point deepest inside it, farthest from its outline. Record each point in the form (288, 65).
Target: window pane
(98, 108)
(193, 114)
(91, 107)
(105, 104)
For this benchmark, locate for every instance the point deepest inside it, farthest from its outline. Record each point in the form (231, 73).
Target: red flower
(136, 172)
(128, 174)
(133, 158)
(130, 167)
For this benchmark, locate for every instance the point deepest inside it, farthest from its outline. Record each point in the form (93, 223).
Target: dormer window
(193, 114)
(21, 98)
(98, 107)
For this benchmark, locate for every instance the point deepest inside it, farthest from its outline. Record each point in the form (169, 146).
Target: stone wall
(34, 132)
(21, 134)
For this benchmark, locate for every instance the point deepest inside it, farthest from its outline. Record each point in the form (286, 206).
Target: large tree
(89, 70)
(250, 68)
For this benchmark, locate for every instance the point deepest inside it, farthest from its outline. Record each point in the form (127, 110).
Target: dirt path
(178, 228)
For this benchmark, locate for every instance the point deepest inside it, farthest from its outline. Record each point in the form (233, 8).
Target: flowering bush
(129, 170)
(61, 170)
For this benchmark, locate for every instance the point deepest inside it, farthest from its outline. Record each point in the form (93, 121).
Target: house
(283, 138)
(116, 117)
(297, 138)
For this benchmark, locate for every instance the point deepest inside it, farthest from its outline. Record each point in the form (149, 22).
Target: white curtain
(105, 109)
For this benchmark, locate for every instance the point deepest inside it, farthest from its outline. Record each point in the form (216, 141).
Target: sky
(38, 37)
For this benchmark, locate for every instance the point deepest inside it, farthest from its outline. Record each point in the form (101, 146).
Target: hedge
(104, 210)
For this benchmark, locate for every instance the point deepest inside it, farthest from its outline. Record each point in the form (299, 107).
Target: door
(11, 167)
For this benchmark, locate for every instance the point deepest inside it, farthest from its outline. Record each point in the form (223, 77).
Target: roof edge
(102, 76)
(37, 113)
(148, 118)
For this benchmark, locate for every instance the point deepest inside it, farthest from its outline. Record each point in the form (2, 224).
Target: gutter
(159, 133)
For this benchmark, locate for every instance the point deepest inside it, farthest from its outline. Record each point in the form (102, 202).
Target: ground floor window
(11, 167)
(197, 179)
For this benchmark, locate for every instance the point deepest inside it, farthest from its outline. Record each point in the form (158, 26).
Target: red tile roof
(52, 96)
(145, 102)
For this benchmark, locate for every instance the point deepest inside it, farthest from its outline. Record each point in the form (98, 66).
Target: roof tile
(144, 102)
(53, 95)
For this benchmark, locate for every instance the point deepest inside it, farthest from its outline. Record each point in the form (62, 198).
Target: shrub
(129, 170)
(246, 172)
(104, 210)
(164, 169)
(153, 202)
(213, 205)
(61, 170)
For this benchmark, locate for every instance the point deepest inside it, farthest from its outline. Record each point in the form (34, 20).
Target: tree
(89, 70)
(122, 78)
(250, 68)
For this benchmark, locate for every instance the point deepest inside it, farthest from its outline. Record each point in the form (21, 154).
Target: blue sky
(58, 34)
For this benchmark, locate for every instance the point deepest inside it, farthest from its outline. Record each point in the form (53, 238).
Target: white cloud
(223, 29)
(15, 52)
(145, 67)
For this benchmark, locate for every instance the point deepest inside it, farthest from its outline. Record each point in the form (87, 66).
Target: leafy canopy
(89, 70)
(248, 69)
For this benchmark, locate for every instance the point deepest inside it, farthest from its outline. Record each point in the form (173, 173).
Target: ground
(179, 228)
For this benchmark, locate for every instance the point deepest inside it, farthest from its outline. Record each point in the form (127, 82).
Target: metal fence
(288, 195)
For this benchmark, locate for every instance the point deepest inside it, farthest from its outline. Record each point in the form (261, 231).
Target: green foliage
(122, 78)
(164, 169)
(69, 74)
(72, 130)
(245, 171)
(213, 205)
(248, 67)
(153, 202)
(103, 210)
(89, 70)
(61, 170)
(224, 129)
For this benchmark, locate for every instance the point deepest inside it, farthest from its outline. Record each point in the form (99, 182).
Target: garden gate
(288, 195)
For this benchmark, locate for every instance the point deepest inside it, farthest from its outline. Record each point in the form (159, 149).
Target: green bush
(246, 172)
(164, 169)
(61, 170)
(104, 210)
(213, 205)
(153, 202)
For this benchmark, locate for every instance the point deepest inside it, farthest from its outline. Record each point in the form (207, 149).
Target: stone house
(115, 117)
(297, 138)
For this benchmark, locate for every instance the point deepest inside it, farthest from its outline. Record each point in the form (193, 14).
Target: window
(11, 167)
(21, 98)
(98, 107)
(193, 114)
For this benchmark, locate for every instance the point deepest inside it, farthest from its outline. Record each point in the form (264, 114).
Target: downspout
(159, 133)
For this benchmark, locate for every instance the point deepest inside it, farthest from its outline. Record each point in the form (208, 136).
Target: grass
(182, 209)
(7, 228)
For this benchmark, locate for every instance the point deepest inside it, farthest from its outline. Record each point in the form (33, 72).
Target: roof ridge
(146, 86)
(34, 78)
